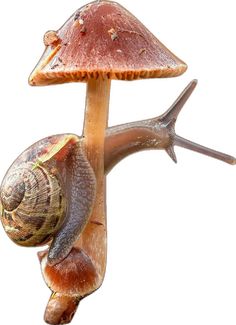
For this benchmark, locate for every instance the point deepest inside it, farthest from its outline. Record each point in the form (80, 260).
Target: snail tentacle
(80, 191)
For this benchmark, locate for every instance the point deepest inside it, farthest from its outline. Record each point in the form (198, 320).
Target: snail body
(48, 193)
(40, 191)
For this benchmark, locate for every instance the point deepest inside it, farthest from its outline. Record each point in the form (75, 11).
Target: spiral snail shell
(34, 205)
(48, 193)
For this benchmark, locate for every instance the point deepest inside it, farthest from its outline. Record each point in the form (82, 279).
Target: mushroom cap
(103, 39)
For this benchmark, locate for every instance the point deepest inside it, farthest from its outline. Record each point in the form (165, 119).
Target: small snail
(47, 194)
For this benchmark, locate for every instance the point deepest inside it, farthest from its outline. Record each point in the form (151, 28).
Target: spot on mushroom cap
(103, 39)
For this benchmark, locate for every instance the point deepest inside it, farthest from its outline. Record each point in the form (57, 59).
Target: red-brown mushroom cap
(103, 39)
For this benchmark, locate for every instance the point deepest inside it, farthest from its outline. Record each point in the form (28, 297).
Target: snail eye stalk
(169, 119)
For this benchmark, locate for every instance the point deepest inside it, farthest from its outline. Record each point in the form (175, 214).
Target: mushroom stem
(93, 238)
(60, 309)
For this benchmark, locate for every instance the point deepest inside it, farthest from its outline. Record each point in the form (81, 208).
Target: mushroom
(102, 41)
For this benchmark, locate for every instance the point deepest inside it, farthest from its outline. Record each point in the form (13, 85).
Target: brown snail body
(49, 190)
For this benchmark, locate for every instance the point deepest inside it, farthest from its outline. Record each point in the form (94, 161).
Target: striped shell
(33, 204)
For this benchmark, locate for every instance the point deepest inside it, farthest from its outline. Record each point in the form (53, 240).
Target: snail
(48, 193)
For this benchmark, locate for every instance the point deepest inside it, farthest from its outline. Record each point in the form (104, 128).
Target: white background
(172, 228)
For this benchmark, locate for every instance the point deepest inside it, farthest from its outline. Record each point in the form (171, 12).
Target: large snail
(48, 192)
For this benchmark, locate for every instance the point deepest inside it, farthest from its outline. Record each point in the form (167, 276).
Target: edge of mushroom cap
(39, 79)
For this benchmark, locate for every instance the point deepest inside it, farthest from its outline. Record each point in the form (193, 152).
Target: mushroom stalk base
(65, 306)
